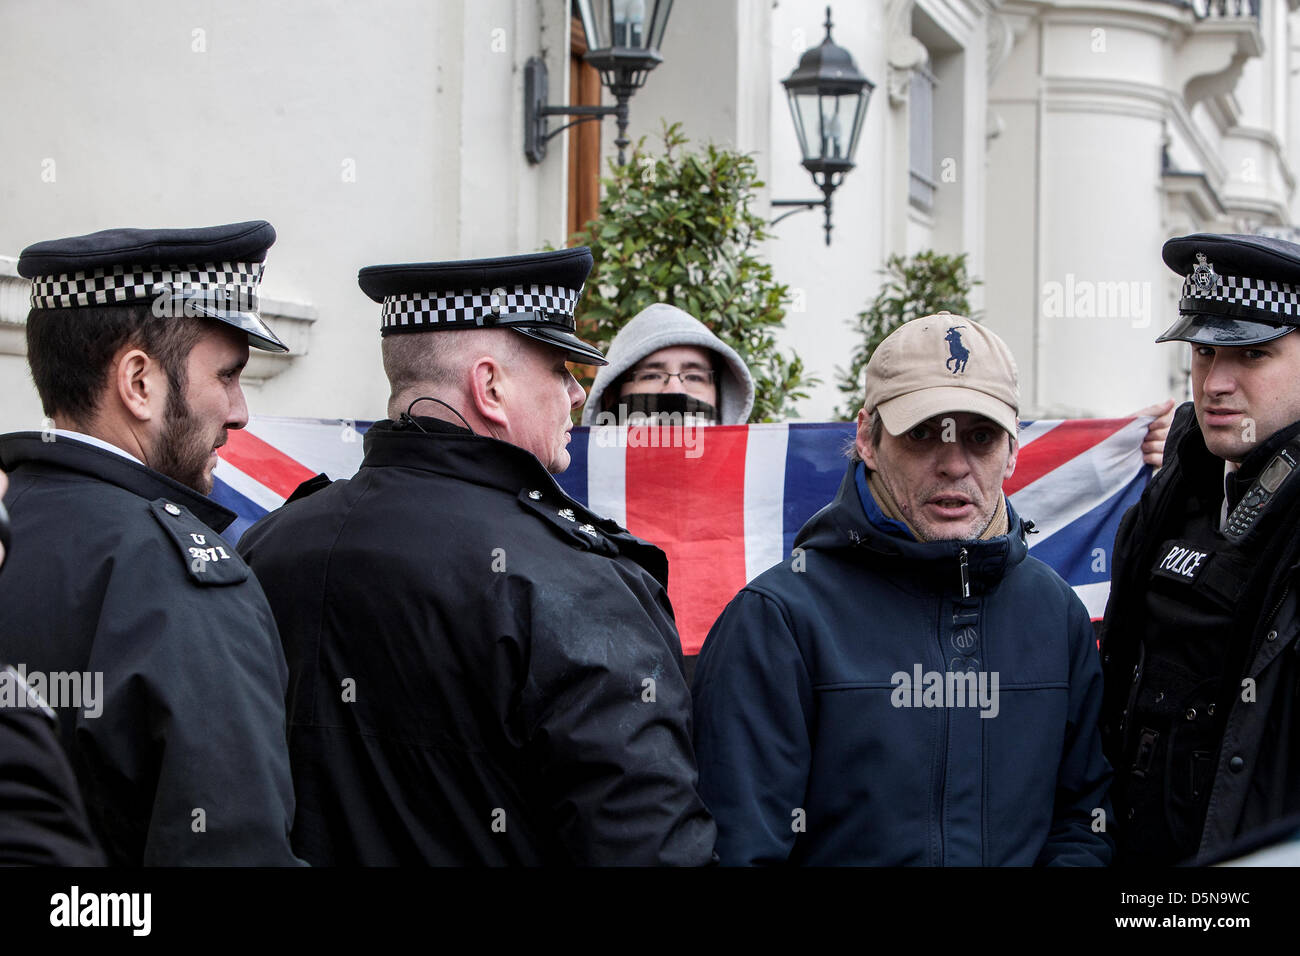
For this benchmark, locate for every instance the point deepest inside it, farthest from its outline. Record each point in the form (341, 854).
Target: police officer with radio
(1199, 644)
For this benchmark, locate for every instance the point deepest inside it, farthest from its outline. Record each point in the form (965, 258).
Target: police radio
(1245, 517)
(4, 528)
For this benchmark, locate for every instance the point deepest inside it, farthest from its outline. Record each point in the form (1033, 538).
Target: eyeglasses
(654, 376)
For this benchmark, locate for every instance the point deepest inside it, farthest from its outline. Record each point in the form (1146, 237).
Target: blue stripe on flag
(1069, 551)
(247, 510)
(574, 478)
(814, 468)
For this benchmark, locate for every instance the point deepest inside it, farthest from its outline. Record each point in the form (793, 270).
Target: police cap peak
(212, 272)
(1237, 290)
(534, 294)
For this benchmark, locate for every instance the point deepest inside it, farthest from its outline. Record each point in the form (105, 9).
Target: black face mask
(645, 408)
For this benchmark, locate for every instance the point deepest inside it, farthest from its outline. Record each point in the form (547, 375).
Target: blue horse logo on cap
(957, 353)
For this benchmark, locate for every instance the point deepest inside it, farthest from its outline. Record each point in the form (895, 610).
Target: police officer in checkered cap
(1199, 640)
(519, 690)
(117, 576)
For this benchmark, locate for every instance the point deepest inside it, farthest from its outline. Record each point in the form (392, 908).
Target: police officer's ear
(487, 389)
(139, 383)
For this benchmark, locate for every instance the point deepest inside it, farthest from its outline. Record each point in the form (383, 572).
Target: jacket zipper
(1278, 606)
(963, 568)
(943, 745)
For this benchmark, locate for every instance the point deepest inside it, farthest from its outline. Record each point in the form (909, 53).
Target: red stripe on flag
(1065, 441)
(693, 508)
(264, 463)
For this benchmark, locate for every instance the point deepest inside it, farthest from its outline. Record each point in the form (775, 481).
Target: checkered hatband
(120, 285)
(470, 308)
(1243, 291)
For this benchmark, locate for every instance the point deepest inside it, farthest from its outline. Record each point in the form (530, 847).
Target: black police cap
(1237, 290)
(535, 295)
(212, 272)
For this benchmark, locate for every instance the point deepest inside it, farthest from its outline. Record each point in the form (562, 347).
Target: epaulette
(205, 554)
(574, 523)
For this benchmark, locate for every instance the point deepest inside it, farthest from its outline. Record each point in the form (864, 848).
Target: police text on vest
(1182, 561)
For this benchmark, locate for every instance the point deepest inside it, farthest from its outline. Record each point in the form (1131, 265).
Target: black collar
(1263, 453)
(448, 449)
(31, 449)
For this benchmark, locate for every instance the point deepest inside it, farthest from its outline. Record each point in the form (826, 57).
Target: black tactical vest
(1203, 596)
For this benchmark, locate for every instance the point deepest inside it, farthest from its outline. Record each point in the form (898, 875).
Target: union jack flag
(726, 502)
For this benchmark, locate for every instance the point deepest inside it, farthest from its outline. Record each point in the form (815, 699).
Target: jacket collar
(843, 526)
(1189, 461)
(31, 449)
(447, 449)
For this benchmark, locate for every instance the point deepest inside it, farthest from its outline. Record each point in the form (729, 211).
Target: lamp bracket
(536, 110)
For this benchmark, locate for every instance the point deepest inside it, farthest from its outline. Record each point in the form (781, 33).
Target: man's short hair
(70, 351)
(435, 360)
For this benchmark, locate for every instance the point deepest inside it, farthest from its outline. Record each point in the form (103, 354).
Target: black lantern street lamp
(623, 38)
(828, 101)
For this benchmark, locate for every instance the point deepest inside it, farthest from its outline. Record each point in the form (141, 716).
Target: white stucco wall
(364, 133)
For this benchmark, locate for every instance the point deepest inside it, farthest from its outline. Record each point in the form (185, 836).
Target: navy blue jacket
(813, 749)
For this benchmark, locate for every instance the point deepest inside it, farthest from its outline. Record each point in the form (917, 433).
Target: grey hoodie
(662, 326)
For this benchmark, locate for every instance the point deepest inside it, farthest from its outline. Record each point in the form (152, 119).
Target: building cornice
(1132, 98)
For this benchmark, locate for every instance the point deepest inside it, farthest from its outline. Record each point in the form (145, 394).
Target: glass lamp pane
(810, 124)
(835, 129)
(859, 113)
(658, 22)
(591, 26)
(629, 22)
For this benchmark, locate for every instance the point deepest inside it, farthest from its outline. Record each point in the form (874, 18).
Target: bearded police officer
(121, 603)
(1199, 641)
(483, 670)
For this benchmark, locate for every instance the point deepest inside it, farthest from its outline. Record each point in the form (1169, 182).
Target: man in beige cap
(910, 688)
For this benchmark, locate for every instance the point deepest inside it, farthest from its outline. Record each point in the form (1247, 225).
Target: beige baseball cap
(942, 363)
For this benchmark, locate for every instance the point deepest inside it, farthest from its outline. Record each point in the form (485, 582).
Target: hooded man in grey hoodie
(665, 362)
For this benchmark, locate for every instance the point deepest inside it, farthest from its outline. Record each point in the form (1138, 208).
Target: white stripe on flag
(1035, 430)
(1094, 597)
(765, 449)
(251, 489)
(607, 471)
(1071, 490)
(331, 447)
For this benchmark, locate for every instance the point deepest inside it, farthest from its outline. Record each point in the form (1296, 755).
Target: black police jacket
(481, 670)
(1256, 771)
(154, 644)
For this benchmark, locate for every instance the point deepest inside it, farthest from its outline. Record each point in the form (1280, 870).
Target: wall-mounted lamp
(828, 100)
(622, 44)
